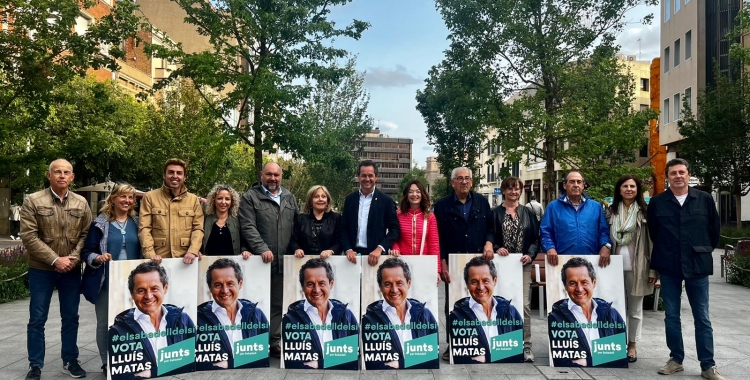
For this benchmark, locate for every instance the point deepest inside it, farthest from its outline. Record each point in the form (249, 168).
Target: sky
(407, 37)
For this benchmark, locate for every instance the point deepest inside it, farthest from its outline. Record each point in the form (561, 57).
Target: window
(644, 84)
(689, 97)
(676, 106)
(643, 152)
(665, 111)
(688, 44)
(676, 53)
(667, 9)
(676, 6)
(82, 25)
(666, 59)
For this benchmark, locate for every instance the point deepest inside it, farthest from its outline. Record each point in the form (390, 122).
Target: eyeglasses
(575, 181)
(462, 179)
(415, 192)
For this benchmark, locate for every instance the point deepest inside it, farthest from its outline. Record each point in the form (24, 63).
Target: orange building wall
(657, 152)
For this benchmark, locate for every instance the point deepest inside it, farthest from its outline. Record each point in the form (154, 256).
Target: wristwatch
(609, 246)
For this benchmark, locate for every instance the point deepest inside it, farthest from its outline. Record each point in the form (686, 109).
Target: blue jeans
(41, 285)
(697, 293)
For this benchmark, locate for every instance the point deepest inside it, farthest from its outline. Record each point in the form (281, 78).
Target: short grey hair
(565, 179)
(460, 168)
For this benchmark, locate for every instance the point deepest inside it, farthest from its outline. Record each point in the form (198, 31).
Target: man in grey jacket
(267, 213)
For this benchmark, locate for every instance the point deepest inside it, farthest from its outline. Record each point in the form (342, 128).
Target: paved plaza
(730, 311)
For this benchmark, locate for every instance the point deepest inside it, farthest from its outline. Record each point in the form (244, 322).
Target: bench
(539, 279)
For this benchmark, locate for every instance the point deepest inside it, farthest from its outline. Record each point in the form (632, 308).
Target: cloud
(639, 38)
(383, 77)
(386, 125)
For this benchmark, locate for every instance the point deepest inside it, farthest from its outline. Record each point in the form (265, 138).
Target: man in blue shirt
(574, 224)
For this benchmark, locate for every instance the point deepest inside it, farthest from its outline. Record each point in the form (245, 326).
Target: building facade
(392, 155)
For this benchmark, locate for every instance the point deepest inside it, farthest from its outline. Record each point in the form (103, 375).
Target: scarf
(624, 223)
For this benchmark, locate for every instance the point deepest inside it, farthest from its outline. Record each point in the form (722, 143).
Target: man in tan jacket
(54, 224)
(171, 221)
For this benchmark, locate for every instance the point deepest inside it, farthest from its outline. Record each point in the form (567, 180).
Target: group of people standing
(59, 233)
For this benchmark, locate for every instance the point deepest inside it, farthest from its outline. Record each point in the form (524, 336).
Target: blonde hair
(307, 208)
(109, 205)
(211, 198)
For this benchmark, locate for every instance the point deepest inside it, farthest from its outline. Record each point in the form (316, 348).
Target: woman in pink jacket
(413, 209)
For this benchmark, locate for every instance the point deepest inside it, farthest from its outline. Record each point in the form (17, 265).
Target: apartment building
(392, 155)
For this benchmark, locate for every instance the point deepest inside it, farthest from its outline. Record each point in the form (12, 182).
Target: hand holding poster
(321, 299)
(586, 328)
(485, 325)
(399, 328)
(232, 315)
(152, 331)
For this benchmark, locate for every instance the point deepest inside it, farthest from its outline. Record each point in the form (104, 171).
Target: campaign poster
(320, 323)
(586, 318)
(152, 313)
(400, 306)
(486, 318)
(234, 304)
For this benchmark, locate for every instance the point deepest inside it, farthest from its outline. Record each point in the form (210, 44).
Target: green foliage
(262, 51)
(738, 265)
(440, 189)
(14, 283)
(414, 173)
(721, 161)
(730, 235)
(336, 116)
(557, 60)
(458, 103)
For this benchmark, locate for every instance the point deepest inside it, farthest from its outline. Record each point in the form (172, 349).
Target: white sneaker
(12, 237)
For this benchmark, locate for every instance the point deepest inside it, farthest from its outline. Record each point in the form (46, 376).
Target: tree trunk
(738, 209)
(257, 141)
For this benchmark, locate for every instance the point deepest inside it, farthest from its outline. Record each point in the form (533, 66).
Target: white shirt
(324, 335)
(221, 313)
(364, 212)
(591, 333)
(681, 198)
(144, 320)
(276, 198)
(478, 309)
(627, 262)
(404, 335)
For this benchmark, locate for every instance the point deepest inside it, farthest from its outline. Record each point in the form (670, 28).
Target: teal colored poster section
(175, 356)
(608, 349)
(421, 350)
(506, 345)
(341, 351)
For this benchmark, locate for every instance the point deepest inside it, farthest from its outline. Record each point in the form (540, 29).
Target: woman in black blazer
(220, 226)
(317, 229)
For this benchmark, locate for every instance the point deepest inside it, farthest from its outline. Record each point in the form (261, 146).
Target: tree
(262, 50)
(416, 173)
(441, 188)
(336, 115)
(723, 160)
(541, 52)
(41, 50)
(457, 103)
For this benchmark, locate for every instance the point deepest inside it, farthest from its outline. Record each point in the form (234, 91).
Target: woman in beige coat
(629, 233)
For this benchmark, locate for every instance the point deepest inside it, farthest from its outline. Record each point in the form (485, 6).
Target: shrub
(730, 235)
(738, 267)
(14, 280)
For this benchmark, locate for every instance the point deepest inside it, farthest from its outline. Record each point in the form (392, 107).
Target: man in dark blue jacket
(574, 224)
(465, 225)
(684, 228)
(385, 345)
(370, 225)
(231, 318)
(316, 278)
(132, 353)
(569, 316)
(480, 276)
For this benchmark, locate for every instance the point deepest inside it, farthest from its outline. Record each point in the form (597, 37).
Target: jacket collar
(168, 192)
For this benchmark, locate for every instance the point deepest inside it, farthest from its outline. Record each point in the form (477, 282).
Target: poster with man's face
(152, 318)
(586, 318)
(486, 297)
(320, 323)
(400, 306)
(234, 303)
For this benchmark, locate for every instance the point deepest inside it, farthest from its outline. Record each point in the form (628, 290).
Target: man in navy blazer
(370, 223)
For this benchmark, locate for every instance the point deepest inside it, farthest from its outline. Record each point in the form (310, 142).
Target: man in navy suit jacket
(370, 224)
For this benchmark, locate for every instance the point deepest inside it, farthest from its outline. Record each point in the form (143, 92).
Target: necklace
(121, 226)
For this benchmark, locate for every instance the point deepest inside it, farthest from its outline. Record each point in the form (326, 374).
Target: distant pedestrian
(54, 224)
(684, 227)
(15, 221)
(536, 207)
